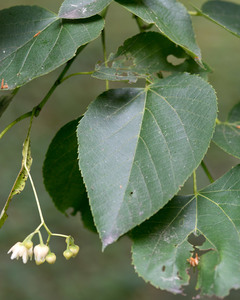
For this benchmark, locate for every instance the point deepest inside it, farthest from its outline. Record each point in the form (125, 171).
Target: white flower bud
(19, 250)
(40, 253)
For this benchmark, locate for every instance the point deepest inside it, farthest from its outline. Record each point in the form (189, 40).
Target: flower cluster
(41, 251)
(25, 252)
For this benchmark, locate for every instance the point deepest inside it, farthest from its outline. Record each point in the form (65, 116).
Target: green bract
(21, 179)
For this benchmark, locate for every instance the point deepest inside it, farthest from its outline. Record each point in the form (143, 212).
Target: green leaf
(34, 42)
(225, 14)
(161, 247)
(4, 102)
(21, 179)
(144, 54)
(171, 18)
(227, 134)
(78, 9)
(62, 178)
(138, 146)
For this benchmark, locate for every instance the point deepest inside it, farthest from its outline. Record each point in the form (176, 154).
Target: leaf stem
(24, 116)
(205, 169)
(60, 235)
(139, 23)
(40, 238)
(194, 13)
(141, 26)
(48, 239)
(75, 74)
(195, 183)
(37, 109)
(103, 39)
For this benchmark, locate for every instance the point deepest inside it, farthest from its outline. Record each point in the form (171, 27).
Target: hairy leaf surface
(171, 18)
(34, 41)
(78, 9)
(161, 247)
(143, 55)
(62, 177)
(227, 134)
(225, 14)
(138, 146)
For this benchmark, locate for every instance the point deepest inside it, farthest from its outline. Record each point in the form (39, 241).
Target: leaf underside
(61, 174)
(78, 9)
(138, 146)
(143, 55)
(34, 42)
(225, 14)
(227, 134)
(171, 18)
(161, 247)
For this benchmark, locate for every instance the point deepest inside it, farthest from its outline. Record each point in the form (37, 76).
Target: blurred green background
(92, 274)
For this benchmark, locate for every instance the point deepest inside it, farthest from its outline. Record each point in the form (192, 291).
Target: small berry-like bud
(74, 249)
(67, 254)
(51, 258)
(28, 244)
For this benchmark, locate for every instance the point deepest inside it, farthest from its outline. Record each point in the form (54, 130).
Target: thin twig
(36, 110)
(103, 38)
(205, 169)
(194, 183)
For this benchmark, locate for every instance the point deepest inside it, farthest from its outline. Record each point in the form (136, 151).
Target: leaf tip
(108, 240)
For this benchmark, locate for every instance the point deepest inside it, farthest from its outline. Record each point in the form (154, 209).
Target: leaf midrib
(133, 161)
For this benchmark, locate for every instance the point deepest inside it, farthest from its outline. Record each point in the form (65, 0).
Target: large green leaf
(138, 146)
(171, 18)
(161, 247)
(34, 41)
(62, 177)
(225, 14)
(143, 55)
(78, 9)
(21, 179)
(227, 134)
